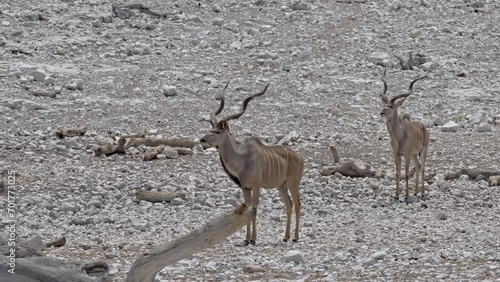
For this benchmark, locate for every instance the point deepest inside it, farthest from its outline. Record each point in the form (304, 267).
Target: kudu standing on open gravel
(408, 138)
(253, 165)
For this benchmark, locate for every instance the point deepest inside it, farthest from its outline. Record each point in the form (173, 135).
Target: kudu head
(391, 106)
(220, 129)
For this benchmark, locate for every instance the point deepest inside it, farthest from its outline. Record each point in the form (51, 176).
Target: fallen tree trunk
(61, 133)
(155, 142)
(31, 265)
(149, 264)
(155, 197)
(472, 173)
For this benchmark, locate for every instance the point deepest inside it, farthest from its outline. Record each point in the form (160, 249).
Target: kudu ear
(399, 101)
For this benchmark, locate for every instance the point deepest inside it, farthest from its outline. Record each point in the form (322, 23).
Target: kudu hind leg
(285, 197)
(417, 173)
(407, 176)
(293, 187)
(423, 158)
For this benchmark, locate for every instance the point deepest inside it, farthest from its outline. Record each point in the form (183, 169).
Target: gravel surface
(134, 71)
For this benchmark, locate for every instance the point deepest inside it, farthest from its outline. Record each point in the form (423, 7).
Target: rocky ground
(131, 71)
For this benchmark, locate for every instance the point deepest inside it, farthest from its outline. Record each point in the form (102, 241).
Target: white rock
(218, 21)
(253, 268)
(293, 255)
(430, 66)
(379, 255)
(39, 75)
(484, 127)
(169, 90)
(378, 57)
(171, 154)
(450, 126)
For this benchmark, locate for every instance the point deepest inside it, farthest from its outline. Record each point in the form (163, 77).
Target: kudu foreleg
(397, 160)
(247, 195)
(255, 203)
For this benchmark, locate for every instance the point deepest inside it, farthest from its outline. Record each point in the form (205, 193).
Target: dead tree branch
(141, 134)
(155, 142)
(57, 243)
(472, 173)
(41, 93)
(149, 264)
(157, 197)
(111, 148)
(139, 7)
(61, 133)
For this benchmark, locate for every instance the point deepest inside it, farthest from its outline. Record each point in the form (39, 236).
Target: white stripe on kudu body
(253, 165)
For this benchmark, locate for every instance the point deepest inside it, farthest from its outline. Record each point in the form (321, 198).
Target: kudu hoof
(246, 242)
(295, 240)
(285, 240)
(252, 242)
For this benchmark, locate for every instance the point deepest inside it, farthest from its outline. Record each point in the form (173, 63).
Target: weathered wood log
(61, 133)
(41, 93)
(351, 169)
(31, 265)
(110, 148)
(156, 197)
(155, 142)
(153, 153)
(141, 8)
(472, 173)
(149, 264)
(141, 134)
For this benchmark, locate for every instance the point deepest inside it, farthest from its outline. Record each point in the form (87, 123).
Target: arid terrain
(128, 71)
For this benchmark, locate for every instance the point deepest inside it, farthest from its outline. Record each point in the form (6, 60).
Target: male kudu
(253, 165)
(408, 138)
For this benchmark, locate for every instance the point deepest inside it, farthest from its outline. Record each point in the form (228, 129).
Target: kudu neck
(229, 147)
(394, 125)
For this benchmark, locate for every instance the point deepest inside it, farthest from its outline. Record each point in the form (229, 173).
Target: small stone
(442, 216)
(298, 5)
(378, 57)
(416, 33)
(218, 21)
(107, 19)
(39, 75)
(171, 154)
(75, 85)
(49, 81)
(430, 66)
(169, 90)
(96, 23)
(177, 202)
(293, 256)
(198, 148)
(395, 6)
(36, 242)
(450, 126)
(286, 67)
(111, 255)
(484, 127)
(216, 8)
(379, 255)
(438, 122)
(249, 268)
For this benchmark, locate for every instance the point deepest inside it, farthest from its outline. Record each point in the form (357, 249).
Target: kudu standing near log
(253, 165)
(408, 138)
